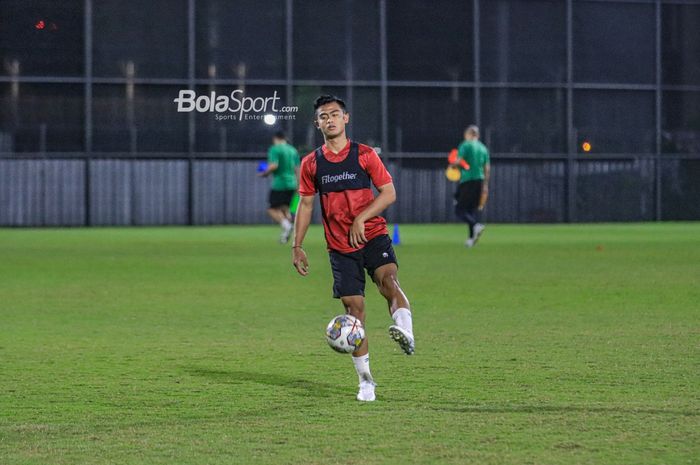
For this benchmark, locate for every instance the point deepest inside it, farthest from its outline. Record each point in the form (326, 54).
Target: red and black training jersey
(343, 181)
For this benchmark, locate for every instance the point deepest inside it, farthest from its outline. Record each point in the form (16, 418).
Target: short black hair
(280, 135)
(326, 99)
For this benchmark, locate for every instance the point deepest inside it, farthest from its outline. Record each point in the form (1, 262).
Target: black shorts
(468, 195)
(281, 198)
(349, 268)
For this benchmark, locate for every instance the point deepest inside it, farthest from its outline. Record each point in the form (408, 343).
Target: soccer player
(473, 187)
(283, 164)
(341, 172)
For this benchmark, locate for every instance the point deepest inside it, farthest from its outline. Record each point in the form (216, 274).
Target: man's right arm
(462, 157)
(456, 159)
(301, 225)
(485, 186)
(487, 168)
(272, 162)
(459, 157)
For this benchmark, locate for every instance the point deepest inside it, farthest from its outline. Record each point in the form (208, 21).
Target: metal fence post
(659, 96)
(88, 111)
(191, 122)
(571, 140)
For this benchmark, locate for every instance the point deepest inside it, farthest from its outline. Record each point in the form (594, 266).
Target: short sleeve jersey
(286, 158)
(477, 156)
(341, 206)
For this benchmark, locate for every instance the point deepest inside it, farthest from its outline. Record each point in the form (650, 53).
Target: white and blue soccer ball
(345, 334)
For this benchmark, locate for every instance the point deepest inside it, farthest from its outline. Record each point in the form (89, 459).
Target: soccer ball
(345, 334)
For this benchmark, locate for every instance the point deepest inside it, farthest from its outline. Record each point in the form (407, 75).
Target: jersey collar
(328, 153)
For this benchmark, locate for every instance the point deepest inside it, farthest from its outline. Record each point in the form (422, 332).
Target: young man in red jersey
(342, 172)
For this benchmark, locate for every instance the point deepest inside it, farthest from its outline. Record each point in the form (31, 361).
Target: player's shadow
(302, 386)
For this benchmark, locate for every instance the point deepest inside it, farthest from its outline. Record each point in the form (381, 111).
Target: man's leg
(278, 215)
(477, 228)
(349, 287)
(279, 207)
(468, 217)
(469, 204)
(286, 213)
(386, 279)
(462, 206)
(355, 306)
(474, 212)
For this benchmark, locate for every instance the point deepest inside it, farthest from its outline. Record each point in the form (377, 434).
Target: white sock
(286, 224)
(403, 319)
(362, 368)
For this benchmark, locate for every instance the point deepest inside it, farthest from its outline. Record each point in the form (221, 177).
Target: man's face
(331, 120)
(468, 135)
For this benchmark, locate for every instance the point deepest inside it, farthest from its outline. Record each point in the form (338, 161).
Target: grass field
(543, 345)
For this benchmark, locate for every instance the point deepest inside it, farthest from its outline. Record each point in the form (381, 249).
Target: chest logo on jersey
(327, 179)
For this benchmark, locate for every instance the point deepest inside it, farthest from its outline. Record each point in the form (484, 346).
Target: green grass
(543, 345)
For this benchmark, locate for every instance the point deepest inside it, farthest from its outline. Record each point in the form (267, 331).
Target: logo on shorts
(385, 255)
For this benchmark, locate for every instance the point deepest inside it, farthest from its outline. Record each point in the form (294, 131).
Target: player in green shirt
(283, 164)
(473, 187)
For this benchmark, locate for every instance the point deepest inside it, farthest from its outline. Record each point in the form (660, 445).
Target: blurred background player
(473, 189)
(283, 164)
(342, 172)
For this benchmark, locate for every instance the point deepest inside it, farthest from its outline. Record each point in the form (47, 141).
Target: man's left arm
(381, 179)
(387, 196)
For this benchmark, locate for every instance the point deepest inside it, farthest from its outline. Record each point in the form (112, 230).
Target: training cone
(396, 238)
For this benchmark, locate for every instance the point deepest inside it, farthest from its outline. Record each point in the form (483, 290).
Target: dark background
(95, 80)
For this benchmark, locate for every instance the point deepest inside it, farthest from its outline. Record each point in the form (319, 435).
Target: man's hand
(299, 260)
(301, 224)
(387, 196)
(271, 168)
(357, 233)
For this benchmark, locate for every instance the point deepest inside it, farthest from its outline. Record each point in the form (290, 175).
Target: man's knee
(355, 305)
(388, 284)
